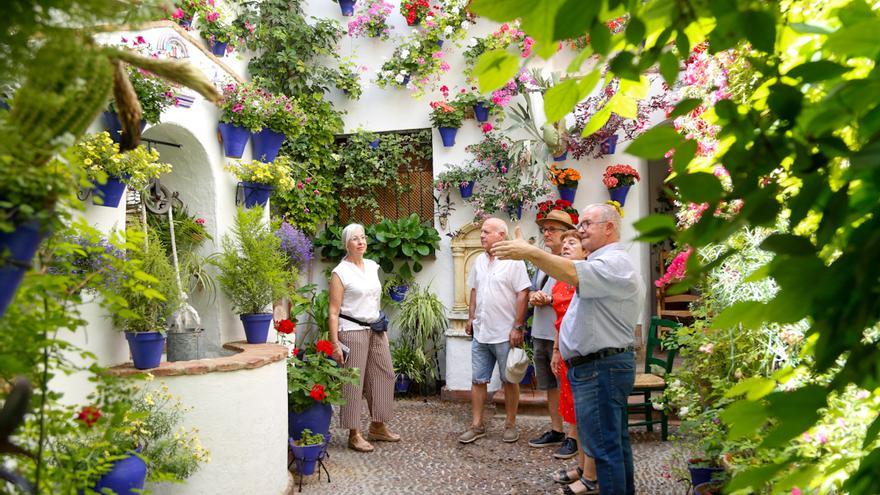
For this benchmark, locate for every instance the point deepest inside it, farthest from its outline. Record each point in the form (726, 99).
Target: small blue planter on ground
(306, 457)
(108, 194)
(256, 327)
(266, 144)
(447, 134)
(347, 7)
(146, 348)
(481, 113)
(127, 477)
(619, 194)
(466, 190)
(256, 193)
(21, 244)
(402, 383)
(235, 139)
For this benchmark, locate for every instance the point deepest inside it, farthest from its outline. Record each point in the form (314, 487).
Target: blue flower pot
(439, 43)
(256, 327)
(561, 158)
(374, 144)
(466, 190)
(401, 384)
(315, 418)
(405, 80)
(114, 126)
(108, 194)
(609, 145)
(481, 112)
(619, 194)
(255, 193)
(515, 212)
(146, 348)
(235, 138)
(185, 23)
(21, 244)
(266, 144)
(218, 48)
(527, 378)
(398, 292)
(347, 7)
(306, 457)
(567, 193)
(448, 135)
(700, 475)
(127, 477)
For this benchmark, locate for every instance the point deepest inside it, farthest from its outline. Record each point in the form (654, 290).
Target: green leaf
(785, 101)
(624, 106)
(754, 478)
(871, 433)
(819, 70)
(682, 43)
(574, 18)
(540, 22)
(600, 38)
(597, 121)
(685, 106)
(495, 68)
(655, 228)
(744, 418)
(749, 314)
(545, 49)
(699, 187)
(654, 144)
(755, 388)
(560, 99)
(795, 411)
(578, 61)
(669, 68)
(760, 29)
(806, 28)
(507, 10)
(423, 250)
(683, 156)
(788, 244)
(635, 30)
(857, 40)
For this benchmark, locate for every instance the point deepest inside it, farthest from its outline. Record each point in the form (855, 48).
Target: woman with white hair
(355, 292)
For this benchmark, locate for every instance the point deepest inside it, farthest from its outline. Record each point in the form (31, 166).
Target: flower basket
(466, 189)
(218, 48)
(315, 418)
(347, 7)
(266, 144)
(567, 193)
(447, 134)
(146, 348)
(619, 194)
(114, 126)
(22, 244)
(402, 383)
(234, 138)
(126, 477)
(256, 327)
(481, 112)
(110, 193)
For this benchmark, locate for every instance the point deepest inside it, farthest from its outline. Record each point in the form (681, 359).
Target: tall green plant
(422, 320)
(253, 269)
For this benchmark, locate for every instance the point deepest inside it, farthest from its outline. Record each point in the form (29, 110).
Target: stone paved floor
(430, 460)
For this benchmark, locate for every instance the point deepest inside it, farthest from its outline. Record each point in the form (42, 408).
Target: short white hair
(607, 213)
(502, 225)
(349, 231)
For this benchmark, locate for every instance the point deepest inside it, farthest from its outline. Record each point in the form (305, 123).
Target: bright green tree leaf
(597, 121)
(495, 68)
(654, 144)
(760, 28)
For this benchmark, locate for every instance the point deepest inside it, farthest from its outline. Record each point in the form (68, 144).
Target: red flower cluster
(546, 207)
(443, 106)
(317, 392)
(619, 175)
(414, 10)
(326, 347)
(89, 415)
(285, 326)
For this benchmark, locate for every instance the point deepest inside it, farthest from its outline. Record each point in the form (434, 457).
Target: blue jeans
(484, 357)
(600, 389)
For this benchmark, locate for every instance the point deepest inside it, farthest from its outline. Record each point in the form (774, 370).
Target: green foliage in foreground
(803, 146)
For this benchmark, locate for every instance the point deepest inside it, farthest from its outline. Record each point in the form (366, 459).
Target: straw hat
(557, 216)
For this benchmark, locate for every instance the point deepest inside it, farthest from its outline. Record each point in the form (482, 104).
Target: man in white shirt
(496, 320)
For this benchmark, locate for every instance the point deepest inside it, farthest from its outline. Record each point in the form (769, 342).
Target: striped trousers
(370, 354)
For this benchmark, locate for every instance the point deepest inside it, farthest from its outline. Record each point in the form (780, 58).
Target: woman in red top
(562, 294)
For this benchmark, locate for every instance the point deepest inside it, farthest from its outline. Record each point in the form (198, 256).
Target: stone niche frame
(465, 249)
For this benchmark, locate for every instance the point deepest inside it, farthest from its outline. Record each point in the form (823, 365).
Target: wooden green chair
(649, 382)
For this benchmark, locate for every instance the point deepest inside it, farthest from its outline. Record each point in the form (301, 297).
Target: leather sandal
(580, 487)
(382, 435)
(562, 476)
(357, 443)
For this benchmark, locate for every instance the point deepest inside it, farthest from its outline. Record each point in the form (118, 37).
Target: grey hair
(607, 213)
(349, 231)
(502, 225)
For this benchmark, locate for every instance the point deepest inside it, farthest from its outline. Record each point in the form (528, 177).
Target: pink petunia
(178, 14)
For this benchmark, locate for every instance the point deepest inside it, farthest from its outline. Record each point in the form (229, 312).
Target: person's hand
(556, 363)
(337, 354)
(515, 249)
(516, 338)
(538, 298)
(469, 328)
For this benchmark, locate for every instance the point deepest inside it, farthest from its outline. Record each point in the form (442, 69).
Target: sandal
(580, 487)
(564, 476)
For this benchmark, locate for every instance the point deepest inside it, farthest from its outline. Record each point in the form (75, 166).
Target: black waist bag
(379, 325)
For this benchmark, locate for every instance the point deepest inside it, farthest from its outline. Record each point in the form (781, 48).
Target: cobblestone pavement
(430, 460)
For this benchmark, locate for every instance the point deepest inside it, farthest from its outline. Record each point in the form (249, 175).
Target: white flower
(399, 79)
(448, 31)
(465, 25)
(404, 53)
(472, 42)
(683, 411)
(455, 10)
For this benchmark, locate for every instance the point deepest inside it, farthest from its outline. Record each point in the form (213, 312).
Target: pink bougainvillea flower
(178, 14)
(487, 127)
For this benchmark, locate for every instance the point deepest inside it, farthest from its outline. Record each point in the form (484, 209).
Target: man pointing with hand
(596, 337)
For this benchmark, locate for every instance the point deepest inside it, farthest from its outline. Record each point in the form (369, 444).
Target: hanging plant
(372, 20)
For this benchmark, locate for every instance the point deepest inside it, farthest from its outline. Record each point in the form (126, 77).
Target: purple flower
(296, 244)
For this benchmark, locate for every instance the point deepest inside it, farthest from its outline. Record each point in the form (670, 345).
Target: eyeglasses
(586, 224)
(550, 229)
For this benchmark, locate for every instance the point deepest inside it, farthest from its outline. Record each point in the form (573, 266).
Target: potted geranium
(447, 119)
(110, 171)
(258, 179)
(185, 11)
(472, 99)
(253, 272)
(314, 383)
(307, 451)
(348, 78)
(493, 151)
(414, 10)
(520, 193)
(216, 32)
(464, 176)
(618, 179)
(372, 20)
(242, 111)
(145, 320)
(566, 181)
(417, 63)
(154, 95)
(283, 120)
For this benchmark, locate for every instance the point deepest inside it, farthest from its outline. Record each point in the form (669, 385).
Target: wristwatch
(521, 328)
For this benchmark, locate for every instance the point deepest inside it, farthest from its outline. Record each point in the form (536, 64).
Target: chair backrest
(655, 341)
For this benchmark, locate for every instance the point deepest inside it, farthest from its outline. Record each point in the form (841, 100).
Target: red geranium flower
(317, 392)
(285, 327)
(89, 415)
(324, 346)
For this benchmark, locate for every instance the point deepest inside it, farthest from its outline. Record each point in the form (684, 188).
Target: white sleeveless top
(361, 294)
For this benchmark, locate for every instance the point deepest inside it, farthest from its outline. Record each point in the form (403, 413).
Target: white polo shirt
(497, 284)
(361, 293)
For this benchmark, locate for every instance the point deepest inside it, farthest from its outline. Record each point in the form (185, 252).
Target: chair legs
(649, 412)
